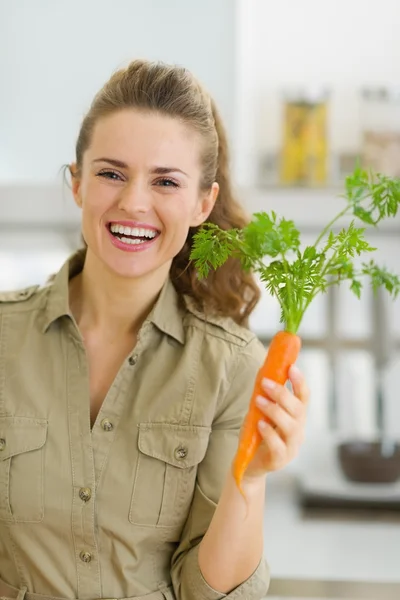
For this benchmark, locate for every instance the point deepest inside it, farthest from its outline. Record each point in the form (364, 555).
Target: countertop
(334, 554)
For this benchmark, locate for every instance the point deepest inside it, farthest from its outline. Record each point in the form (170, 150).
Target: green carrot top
(270, 246)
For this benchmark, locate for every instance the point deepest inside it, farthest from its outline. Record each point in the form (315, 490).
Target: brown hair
(172, 90)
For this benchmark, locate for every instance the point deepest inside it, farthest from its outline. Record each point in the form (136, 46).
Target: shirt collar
(167, 314)
(57, 304)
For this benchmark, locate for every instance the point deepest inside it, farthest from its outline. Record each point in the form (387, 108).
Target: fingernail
(268, 384)
(261, 401)
(262, 425)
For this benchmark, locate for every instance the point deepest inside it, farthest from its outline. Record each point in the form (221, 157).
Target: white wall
(340, 43)
(54, 55)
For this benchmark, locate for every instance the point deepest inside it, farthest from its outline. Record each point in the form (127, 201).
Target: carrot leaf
(271, 247)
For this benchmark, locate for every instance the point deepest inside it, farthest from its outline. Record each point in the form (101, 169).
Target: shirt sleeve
(187, 579)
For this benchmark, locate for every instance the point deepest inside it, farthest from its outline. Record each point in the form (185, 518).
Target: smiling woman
(166, 128)
(126, 379)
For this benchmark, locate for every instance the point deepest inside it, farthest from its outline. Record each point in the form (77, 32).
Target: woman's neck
(104, 302)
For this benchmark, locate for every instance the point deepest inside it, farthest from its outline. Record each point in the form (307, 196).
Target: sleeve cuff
(254, 588)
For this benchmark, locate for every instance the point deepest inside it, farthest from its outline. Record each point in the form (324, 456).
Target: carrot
(282, 353)
(294, 276)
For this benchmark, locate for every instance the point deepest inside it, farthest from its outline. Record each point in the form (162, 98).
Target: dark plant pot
(367, 462)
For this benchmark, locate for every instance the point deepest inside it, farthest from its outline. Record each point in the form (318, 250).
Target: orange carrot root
(282, 353)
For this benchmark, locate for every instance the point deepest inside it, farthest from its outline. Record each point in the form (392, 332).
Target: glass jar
(380, 117)
(304, 155)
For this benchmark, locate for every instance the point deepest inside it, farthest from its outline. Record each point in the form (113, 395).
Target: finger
(283, 396)
(273, 441)
(279, 418)
(299, 385)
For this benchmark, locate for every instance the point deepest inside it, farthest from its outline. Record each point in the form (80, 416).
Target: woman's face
(140, 192)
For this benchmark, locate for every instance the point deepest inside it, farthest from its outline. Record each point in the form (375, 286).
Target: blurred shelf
(323, 549)
(38, 206)
(317, 189)
(325, 344)
(310, 208)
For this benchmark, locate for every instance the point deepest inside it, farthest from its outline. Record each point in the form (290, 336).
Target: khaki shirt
(119, 510)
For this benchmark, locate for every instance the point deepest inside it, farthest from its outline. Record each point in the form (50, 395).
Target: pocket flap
(21, 434)
(179, 445)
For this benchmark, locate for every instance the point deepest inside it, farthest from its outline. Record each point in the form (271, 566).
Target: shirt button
(85, 557)
(181, 452)
(85, 494)
(133, 360)
(107, 425)
(2, 444)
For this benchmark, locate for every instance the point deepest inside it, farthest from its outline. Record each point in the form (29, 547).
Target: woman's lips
(133, 245)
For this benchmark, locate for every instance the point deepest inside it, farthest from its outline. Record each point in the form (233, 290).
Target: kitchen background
(305, 87)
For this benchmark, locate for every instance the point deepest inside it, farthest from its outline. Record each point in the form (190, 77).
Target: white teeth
(133, 231)
(131, 241)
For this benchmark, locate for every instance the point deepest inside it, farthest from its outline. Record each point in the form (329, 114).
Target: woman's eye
(165, 182)
(109, 175)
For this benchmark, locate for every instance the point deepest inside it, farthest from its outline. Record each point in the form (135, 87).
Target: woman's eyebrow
(166, 170)
(112, 161)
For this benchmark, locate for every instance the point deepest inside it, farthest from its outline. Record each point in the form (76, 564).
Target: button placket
(83, 476)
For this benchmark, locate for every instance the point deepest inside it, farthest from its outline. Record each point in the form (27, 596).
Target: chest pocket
(166, 473)
(21, 469)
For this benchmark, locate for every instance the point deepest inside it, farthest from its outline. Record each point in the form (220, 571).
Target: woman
(125, 380)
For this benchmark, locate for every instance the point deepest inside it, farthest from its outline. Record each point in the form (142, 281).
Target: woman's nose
(135, 198)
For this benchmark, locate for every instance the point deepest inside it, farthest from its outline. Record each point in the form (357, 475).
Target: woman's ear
(205, 205)
(76, 184)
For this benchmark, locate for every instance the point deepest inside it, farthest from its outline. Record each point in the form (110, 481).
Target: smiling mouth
(132, 235)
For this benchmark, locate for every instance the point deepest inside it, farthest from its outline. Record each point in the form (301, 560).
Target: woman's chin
(137, 269)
